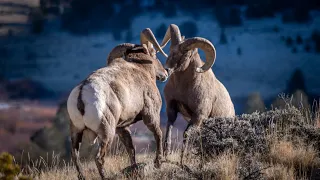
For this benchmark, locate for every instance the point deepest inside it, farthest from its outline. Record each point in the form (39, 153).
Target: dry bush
(298, 99)
(254, 103)
(222, 134)
(255, 137)
(222, 167)
(277, 144)
(8, 169)
(279, 172)
(302, 158)
(117, 168)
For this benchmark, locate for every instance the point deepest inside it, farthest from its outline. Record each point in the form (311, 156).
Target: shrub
(235, 17)
(299, 39)
(218, 135)
(257, 10)
(297, 15)
(239, 51)
(315, 36)
(8, 169)
(161, 30)
(275, 29)
(85, 17)
(223, 37)
(294, 50)
(116, 35)
(129, 36)
(188, 29)
(37, 21)
(297, 155)
(307, 48)
(316, 39)
(228, 16)
(296, 82)
(289, 41)
(254, 103)
(247, 133)
(170, 11)
(298, 99)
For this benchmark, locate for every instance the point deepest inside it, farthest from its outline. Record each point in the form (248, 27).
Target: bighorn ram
(192, 88)
(112, 98)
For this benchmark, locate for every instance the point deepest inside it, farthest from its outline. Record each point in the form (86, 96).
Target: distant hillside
(14, 16)
(20, 17)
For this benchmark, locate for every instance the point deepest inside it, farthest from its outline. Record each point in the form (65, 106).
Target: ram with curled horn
(112, 98)
(192, 88)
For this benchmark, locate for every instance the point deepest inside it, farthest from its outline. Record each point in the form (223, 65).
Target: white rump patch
(73, 111)
(94, 101)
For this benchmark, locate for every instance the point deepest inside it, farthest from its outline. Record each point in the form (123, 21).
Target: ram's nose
(162, 76)
(169, 71)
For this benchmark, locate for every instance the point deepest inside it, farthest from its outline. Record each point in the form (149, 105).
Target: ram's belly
(185, 111)
(131, 112)
(132, 103)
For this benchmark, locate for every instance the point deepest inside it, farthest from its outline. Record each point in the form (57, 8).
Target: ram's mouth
(162, 78)
(169, 71)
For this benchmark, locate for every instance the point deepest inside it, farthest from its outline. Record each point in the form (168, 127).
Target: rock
(57, 137)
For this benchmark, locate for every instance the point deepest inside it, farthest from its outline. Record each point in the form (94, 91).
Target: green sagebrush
(8, 169)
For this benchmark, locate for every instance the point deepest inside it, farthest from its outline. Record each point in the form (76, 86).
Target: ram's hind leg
(172, 113)
(76, 138)
(105, 135)
(126, 139)
(152, 121)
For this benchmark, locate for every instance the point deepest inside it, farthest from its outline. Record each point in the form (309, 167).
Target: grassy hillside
(277, 144)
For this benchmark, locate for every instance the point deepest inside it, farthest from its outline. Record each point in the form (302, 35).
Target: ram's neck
(195, 62)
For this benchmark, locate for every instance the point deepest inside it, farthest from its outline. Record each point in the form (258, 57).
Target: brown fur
(130, 85)
(197, 96)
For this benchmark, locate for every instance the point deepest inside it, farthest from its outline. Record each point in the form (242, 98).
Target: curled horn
(203, 44)
(172, 33)
(147, 36)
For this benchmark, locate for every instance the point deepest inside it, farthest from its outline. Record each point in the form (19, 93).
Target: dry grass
(300, 157)
(289, 152)
(223, 167)
(279, 172)
(281, 165)
(284, 152)
(116, 167)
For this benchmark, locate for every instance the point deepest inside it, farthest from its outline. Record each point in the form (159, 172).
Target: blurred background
(266, 50)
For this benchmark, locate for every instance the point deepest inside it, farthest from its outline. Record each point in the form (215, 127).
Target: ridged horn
(147, 36)
(203, 44)
(172, 33)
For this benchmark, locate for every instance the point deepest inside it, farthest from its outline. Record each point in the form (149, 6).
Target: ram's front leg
(126, 139)
(194, 125)
(152, 121)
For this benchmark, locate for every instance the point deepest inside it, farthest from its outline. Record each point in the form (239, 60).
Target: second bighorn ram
(112, 98)
(192, 88)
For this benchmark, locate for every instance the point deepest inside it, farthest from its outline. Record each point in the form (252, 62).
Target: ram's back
(117, 89)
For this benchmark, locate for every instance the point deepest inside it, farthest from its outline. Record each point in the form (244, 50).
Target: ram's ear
(145, 49)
